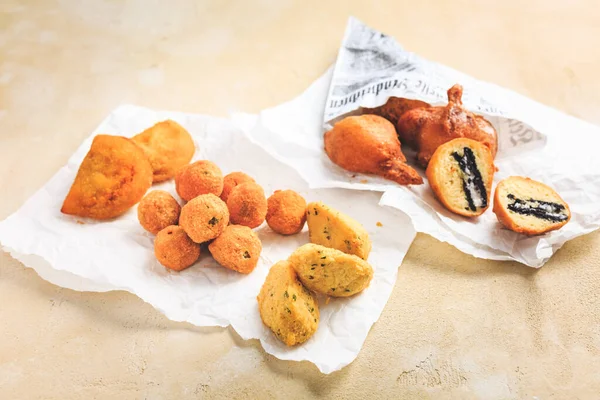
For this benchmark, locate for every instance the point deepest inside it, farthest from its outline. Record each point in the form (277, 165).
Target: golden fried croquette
(201, 177)
(330, 271)
(286, 212)
(247, 205)
(168, 147)
(237, 248)
(232, 180)
(204, 217)
(112, 178)
(393, 109)
(332, 228)
(286, 307)
(157, 210)
(174, 249)
(369, 144)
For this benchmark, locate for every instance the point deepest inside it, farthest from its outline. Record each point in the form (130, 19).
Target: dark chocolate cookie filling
(472, 180)
(538, 208)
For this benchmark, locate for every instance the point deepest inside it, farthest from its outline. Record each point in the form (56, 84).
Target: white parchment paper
(534, 141)
(118, 254)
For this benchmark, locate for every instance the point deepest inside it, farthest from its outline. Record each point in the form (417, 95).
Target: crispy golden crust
(443, 174)
(332, 228)
(237, 248)
(204, 217)
(286, 212)
(330, 271)
(174, 249)
(112, 178)
(287, 307)
(231, 180)
(428, 128)
(247, 205)
(157, 210)
(393, 109)
(504, 215)
(168, 146)
(368, 144)
(201, 177)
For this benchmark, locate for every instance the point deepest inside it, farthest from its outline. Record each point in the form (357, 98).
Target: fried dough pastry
(168, 147)
(237, 248)
(174, 249)
(200, 177)
(204, 217)
(286, 212)
(395, 107)
(112, 178)
(157, 210)
(231, 180)
(426, 129)
(369, 144)
(247, 205)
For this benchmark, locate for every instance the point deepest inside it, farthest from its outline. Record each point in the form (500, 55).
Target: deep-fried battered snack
(112, 178)
(393, 109)
(157, 210)
(231, 180)
(286, 212)
(201, 177)
(237, 248)
(174, 249)
(332, 228)
(330, 271)
(427, 128)
(204, 217)
(369, 144)
(247, 205)
(168, 147)
(286, 307)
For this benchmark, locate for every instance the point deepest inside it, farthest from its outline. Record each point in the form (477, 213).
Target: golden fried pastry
(426, 129)
(201, 177)
(332, 228)
(231, 180)
(112, 178)
(204, 217)
(157, 210)
(168, 147)
(393, 109)
(368, 144)
(237, 248)
(247, 205)
(330, 271)
(174, 249)
(286, 307)
(530, 207)
(460, 174)
(286, 212)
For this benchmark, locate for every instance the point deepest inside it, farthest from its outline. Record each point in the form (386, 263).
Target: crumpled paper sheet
(118, 254)
(539, 142)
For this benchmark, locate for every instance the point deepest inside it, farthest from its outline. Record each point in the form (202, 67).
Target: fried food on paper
(426, 129)
(204, 217)
(332, 228)
(168, 146)
(174, 249)
(330, 271)
(393, 109)
(369, 144)
(286, 307)
(112, 178)
(201, 177)
(233, 179)
(286, 212)
(157, 210)
(247, 205)
(237, 248)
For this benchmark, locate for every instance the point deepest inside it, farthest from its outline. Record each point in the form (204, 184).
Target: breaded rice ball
(201, 177)
(204, 217)
(286, 212)
(232, 180)
(247, 205)
(174, 249)
(157, 210)
(238, 248)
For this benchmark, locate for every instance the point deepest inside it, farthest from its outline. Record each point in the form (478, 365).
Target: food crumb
(379, 223)
(364, 181)
(327, 300)
(80, 222)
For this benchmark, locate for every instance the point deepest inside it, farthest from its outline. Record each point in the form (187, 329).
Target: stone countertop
(454, 327)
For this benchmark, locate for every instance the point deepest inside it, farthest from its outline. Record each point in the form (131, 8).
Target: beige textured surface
(455, 326)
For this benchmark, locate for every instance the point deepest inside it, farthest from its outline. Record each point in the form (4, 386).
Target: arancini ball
(232, 180)
(237, 248)
(204, 217)
(286, 212)
(174, 249)
(247, 205)
(200, 177)
(157, 210)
